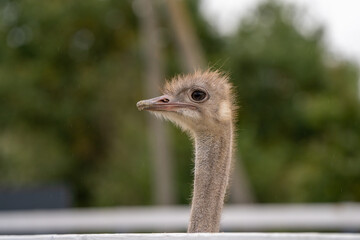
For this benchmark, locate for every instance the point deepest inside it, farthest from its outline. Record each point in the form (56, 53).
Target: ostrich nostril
(165, 100)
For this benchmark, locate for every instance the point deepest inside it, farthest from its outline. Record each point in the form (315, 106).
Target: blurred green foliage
(299, 124)
(71, 73)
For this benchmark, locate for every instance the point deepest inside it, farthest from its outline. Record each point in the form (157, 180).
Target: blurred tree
(298, 124)
(162, 154)
(68, 88)
(71, 75)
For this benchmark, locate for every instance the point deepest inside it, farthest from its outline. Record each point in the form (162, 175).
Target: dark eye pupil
(198, 95)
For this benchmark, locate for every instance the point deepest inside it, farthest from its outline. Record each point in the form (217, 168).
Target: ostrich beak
(162, 103)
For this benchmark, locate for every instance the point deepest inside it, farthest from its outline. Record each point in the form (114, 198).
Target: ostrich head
(203, 105)
(202, 101)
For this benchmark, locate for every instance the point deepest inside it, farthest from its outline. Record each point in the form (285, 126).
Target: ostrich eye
(198, 95)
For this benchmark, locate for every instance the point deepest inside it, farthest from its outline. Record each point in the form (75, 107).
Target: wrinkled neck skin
(213, 153)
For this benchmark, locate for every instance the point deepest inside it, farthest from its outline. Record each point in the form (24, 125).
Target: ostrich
(202, 104)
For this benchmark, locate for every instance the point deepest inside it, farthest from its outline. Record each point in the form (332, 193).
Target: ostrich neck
(212, 167)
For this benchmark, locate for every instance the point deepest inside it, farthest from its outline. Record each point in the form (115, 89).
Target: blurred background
(71, 73)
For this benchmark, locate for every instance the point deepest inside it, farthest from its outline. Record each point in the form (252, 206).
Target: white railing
(268, 217)
(200, 236)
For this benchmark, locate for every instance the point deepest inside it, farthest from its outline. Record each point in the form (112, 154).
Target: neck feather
(213, 153)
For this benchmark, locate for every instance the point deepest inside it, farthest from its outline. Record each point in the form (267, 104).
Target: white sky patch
(226, 14)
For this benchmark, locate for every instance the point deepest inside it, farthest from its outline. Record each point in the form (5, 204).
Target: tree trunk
(163, 174)
(189, 48)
